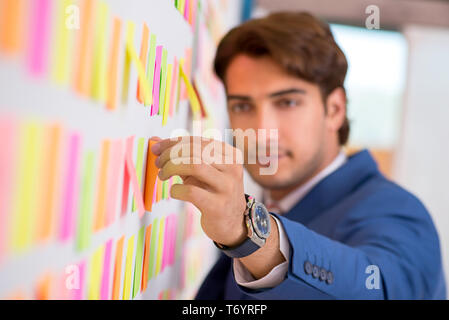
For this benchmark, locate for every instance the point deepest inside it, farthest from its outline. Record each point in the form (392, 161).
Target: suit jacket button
(330, 278)
(315, 272)
(308, 267)
(323, 274)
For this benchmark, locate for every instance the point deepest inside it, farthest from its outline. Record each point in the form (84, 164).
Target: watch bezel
(256, 229)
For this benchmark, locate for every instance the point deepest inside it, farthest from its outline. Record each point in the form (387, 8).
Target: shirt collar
(297, 194)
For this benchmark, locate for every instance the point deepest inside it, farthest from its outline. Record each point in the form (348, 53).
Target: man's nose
(267, 118)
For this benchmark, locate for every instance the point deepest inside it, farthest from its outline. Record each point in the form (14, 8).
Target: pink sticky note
(38, 48)
(126, 178)
(7, 154)
(138, 197)
(71, 187)
(117, 159)
(157, 81)
(78, 291)
(186, 10)
(104, 292)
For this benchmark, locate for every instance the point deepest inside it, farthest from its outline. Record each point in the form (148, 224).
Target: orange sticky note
(159, 190)
(11, 25)
(43, 287)
(85, 44)
(100, 215)
(143, 60)
(116, 166)
(111, 93)
(117, 269)
(150, 176)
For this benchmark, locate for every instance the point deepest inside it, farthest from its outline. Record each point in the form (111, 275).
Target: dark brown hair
(302, 45)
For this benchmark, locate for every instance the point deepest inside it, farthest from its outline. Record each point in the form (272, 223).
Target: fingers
(184, 168)
(191, 193)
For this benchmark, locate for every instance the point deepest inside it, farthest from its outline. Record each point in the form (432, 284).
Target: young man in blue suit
(329, 226)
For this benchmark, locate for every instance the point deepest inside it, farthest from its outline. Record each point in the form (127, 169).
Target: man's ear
(336, 108)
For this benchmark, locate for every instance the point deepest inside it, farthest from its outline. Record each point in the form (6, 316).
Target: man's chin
(278, 180)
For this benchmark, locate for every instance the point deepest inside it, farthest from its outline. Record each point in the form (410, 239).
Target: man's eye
(287, 103)
(240, 107)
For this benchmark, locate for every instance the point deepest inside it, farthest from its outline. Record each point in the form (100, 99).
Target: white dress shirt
(242, 276)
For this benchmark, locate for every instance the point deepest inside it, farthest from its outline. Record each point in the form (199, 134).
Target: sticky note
(130, 27)
(174, 86)
(126, 177)
(139, 163)
(104, 291)
(151, 64)
(111, 103)
(85, 44)
(115, 171)
(96, 265)
(39, 38)
(135, 184)
(71, 189)
(150, 176)
(166, 243)
(8, 151)
(157, 81)
(146, 259)
(193, 99)
(51, 163)
(43, 287)
(25, 196)
(78, 289)
(132, 54)
(100, 209)
(160, 243)
(173, 239)
(61, 50)
(143, 60)
(99, 65)
(168, 86)
(181, 6)
(139, 262)
(163, 81)
(127, 282)
(12, 13)
(117, 269)
(153, 247)
(86, 202)
(187, 10)
(159, 190)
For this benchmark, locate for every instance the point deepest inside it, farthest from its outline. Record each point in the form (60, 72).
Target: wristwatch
(258, 223)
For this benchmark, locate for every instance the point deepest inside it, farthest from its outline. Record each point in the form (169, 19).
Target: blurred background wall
(397, 86)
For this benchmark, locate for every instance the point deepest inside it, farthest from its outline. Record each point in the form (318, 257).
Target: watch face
(261, 220)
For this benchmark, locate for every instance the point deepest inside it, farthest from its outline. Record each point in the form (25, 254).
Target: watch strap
(244, 249)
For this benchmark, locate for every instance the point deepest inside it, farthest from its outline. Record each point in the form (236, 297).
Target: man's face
(261, 95)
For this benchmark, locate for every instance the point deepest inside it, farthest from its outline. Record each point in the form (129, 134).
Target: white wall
(422, 161)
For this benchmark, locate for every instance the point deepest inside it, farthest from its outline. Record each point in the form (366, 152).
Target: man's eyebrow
(238, 97)
(287, 91)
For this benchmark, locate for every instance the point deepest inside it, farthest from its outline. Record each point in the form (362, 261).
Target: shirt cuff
(244, 278)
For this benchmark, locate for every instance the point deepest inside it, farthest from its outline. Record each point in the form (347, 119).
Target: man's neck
(279, 194)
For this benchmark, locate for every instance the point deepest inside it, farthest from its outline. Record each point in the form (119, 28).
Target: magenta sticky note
(104, 291)
(39, 36)
(157, 81)
(70, 200)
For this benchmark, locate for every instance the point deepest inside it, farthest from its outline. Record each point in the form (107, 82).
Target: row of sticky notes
(87, 55)
(189, 9)
(51, 188)
(117, 269)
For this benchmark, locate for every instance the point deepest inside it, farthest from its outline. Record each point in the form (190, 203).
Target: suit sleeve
(386, 257)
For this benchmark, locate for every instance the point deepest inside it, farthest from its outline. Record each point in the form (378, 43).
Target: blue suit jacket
(350, 220)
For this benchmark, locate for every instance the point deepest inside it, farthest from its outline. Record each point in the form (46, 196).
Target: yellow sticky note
(130, 27)
(61, 52)
(160, 243)
(128, 269)
(167, 94)
(95, 274)
(193, 99)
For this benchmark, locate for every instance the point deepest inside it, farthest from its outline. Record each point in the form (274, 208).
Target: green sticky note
(151, 63)
(128, 269)
(139, 165)
(160, 245)
(163, 82)
(85, 208)
(138, 263)
(153, 243)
